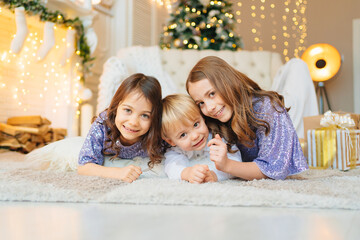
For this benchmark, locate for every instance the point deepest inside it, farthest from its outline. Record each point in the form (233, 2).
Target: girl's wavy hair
(151, 141)
(237, 90)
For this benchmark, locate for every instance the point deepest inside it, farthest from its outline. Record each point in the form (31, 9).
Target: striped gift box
(346, 144)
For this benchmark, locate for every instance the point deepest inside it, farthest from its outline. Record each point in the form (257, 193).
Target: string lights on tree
(201, 24)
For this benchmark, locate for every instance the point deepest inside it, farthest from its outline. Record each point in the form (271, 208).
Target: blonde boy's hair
(178, 109)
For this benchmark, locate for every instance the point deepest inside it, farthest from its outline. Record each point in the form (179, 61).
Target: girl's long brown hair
(237, 90)
(151, 89)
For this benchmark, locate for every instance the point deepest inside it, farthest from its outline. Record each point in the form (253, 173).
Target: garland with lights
(201, 24)
(36, 7)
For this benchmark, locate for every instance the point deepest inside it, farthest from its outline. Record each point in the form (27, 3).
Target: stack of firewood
(26, 133)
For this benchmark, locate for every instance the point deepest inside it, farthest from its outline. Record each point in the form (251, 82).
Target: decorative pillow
(113, 74)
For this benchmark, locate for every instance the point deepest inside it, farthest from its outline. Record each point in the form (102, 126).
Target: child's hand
(211, 177)
(129, 173)
(195, 174)
(218, 152)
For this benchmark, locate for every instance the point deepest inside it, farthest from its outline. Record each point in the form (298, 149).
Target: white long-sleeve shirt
(176, 160)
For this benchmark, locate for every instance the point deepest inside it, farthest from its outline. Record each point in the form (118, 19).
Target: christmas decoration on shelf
(201, 24)
(70, 46)
(49, 40)
(36, 7)
(21, 30)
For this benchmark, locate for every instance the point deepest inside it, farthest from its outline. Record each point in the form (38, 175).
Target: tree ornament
(177, 42)
(21, 30)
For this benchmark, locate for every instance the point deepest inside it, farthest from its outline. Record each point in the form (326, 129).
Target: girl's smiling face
(209, 100)
(133, 118)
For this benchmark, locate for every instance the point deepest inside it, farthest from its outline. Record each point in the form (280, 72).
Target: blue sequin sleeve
(91, 151)
(279, 152)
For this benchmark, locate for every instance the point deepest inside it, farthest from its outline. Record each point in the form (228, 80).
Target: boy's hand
(218, 152)
(211, 177)
(195, 174)
(129, 173)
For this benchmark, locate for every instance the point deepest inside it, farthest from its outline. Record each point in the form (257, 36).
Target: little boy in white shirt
(185, 130)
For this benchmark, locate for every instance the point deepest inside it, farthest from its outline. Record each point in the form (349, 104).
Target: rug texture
(312, 189)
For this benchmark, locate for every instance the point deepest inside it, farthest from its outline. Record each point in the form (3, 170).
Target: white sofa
(171, 68)
(258, 65)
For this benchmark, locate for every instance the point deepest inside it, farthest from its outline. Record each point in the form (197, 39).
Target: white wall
(356, 47)
(128, 23)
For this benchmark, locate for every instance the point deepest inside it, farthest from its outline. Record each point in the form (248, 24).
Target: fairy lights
(29, 86)
(273, 25)
(23, 92)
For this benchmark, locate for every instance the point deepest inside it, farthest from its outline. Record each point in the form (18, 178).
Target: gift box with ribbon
(333, 140)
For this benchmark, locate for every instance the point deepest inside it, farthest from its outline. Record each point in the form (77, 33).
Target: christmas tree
(201, 24)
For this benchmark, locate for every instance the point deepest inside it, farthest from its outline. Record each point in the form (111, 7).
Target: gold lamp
(324, 62)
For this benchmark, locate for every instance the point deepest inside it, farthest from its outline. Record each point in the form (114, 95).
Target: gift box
(313, 122)
(337, 145)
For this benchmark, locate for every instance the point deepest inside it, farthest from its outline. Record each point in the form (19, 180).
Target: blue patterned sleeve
(91, 151)
(280, 152)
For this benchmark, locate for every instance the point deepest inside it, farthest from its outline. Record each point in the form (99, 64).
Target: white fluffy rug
(312, 189)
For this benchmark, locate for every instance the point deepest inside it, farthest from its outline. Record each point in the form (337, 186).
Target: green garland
(36, 7)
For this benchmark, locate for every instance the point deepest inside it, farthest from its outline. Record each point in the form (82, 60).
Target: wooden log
(58, 134)
(28, 147)
(39, 145)
(46, 121)
(13, 130)
(60, 131)
(21, 120)
(4, 136)
(4, 150)
(8, 129)
(28, 125)
(23, 137)
(37, 138)
(48, 137)
(11, 143)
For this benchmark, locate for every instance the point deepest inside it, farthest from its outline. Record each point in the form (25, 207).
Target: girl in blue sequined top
(248, 116)
(130, 127)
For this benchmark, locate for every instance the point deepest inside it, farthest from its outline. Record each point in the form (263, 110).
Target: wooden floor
(25, 220)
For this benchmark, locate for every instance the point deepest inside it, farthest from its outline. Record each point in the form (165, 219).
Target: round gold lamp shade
(323, 61)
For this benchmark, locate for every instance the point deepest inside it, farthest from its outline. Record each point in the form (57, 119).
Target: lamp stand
(321, 92)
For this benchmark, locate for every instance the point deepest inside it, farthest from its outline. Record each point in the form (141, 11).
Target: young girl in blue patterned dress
(130, 127)
(248, 116)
